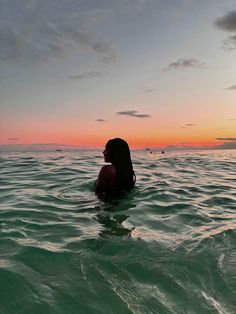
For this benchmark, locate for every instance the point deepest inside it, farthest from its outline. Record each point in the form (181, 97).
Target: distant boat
(59, 150)
(148, 149)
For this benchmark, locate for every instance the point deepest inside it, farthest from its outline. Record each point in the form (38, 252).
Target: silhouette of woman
(119, 176)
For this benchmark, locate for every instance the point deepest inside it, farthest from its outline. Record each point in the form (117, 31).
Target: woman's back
(106, 181)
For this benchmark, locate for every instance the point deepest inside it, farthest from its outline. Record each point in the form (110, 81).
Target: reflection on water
(112, 225)
(114, 213)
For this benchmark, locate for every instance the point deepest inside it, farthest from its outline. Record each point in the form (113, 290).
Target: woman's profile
(119, 175)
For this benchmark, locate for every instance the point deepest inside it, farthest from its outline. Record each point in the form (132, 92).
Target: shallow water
(166, 247)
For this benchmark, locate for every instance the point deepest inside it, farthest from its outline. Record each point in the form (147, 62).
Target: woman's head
(117, 152)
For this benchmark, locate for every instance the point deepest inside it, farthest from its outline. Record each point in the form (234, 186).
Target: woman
(119, 176)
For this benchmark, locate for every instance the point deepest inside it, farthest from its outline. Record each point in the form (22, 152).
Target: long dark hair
(121, 159)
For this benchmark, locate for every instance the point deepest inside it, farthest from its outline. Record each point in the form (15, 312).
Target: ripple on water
(166, 247)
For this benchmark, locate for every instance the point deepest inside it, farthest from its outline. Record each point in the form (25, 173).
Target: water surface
(166, 247)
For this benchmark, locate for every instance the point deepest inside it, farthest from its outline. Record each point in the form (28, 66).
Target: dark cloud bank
(229, 142)
(227, 23)
(227, 145)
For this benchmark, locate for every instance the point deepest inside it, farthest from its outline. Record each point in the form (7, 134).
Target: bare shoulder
(108, 170)
(106, 179)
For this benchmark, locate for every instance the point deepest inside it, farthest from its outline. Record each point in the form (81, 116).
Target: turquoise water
(166, 247)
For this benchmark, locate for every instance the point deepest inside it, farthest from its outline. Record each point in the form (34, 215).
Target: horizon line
(60, 145)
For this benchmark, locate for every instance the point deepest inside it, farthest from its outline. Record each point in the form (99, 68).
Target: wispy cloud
(226, 138)
(187, 125)
(42, 31)
(232, 119)
(230, 42)
(227, 23)
(87, 75)
(185, 64)
(13, 139)
(107, 53)
(133, 113)
(149, 90)
(232, 87)
(100, 120)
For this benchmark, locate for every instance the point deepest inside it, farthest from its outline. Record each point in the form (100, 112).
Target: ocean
(168, 246)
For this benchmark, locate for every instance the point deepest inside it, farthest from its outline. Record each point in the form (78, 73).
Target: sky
(154, 72)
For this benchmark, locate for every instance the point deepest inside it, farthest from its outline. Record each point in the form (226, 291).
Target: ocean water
(169, 246)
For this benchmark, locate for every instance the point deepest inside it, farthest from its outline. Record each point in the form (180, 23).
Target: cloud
(185, 64)
(87, 75)
(133, 113)
(149, 90)
(227, 145)
(13, 139)
(187, 125)
(227, 22)
(230, 42)
(100, 120)
(232, 87)
(226, 138)
(108, 54)
(233, 119)
(38, 31)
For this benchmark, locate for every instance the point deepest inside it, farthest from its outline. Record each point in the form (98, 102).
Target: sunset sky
(154, 72)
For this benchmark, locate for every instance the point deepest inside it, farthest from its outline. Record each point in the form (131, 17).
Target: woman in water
(119, 176)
